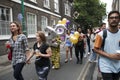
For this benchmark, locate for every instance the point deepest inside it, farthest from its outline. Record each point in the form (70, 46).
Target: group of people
(20, 51)
(79, 46)
(109, 59)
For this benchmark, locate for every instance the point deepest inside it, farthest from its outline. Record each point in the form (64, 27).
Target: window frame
(42, 23)
(67, 9)
(29, 23)
(56, 5)
(6, 22)
(46, 3)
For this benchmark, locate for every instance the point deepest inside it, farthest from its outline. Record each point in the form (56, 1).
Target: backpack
(103, 43)
(104, 37)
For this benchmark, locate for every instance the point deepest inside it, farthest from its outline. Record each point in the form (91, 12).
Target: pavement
(5, 64)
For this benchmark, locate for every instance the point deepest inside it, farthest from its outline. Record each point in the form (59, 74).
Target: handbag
(10, 55)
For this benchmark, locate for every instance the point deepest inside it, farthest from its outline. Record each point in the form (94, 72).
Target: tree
(90, 12)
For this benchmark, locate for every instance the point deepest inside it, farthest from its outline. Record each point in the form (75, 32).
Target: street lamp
(23, 18)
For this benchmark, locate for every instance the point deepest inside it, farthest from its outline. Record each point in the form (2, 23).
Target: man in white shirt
(109, 60)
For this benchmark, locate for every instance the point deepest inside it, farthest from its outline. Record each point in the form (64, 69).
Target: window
(47, 3)
(5, 19)
(52, 22)
(33, 1)
(31, 24)
(67, 10)
(44, 23)
(56, 5)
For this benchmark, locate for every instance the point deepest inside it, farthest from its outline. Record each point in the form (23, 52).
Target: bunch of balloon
(59, 22)
(67, 23)
(74, 37)
(64, 20)
(76, 34)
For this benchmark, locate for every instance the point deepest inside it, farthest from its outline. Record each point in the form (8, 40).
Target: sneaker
(66, 60)
(90, 61)
(70, 59)
(77, 62)
(80, 61)
(88, 52)
(53, 67)
(85, 55)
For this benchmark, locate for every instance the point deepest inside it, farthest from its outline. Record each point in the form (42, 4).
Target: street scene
(60, 40)
(67, 71)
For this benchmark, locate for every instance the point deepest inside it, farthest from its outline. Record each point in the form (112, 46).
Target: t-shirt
(42, 61)
(112, 41)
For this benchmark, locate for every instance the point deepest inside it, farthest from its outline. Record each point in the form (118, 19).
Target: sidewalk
(5, 64)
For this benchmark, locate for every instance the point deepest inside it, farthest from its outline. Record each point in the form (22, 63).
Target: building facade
(116, 5)
(37, 15)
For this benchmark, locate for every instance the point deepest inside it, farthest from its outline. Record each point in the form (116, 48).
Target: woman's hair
(18, 25)
(68, 31)
(42, 36)
(91, 31)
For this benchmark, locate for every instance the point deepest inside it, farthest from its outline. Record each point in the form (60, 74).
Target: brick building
(37, 15)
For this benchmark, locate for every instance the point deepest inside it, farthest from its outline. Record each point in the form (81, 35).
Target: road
(67, 71)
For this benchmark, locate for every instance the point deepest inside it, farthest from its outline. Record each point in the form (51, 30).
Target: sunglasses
(114, 17)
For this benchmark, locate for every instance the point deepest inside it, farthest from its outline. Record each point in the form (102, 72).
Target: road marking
(84, 72)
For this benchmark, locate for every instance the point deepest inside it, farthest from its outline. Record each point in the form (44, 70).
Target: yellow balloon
(59, 22)
(73, 39)
(64, 20)
(77, 34)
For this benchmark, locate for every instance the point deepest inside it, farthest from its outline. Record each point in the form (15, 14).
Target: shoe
(80, 61)
(85, 55)
(77, 62)
(90, 61)
(70, 59)
(53, 67)
(66, 60)
(88, 53)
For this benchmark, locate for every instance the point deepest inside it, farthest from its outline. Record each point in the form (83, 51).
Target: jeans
(42, 72)
(93, 56)
(18, 71)
(79, 50)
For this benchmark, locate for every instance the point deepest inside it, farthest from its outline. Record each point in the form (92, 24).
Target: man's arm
(97, 49)
(115, 56)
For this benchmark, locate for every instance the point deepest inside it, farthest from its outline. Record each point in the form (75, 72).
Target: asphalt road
(67, 71)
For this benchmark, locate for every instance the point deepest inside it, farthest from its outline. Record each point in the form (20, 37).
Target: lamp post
(23, 18)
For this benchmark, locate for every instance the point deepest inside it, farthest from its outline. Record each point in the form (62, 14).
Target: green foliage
(90, 12)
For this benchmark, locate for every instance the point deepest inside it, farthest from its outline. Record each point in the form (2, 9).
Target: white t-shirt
(112, 41)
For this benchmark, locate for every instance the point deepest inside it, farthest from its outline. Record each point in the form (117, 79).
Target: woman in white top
(68, 46)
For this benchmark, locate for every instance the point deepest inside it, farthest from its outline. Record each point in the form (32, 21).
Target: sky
(109, 4)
